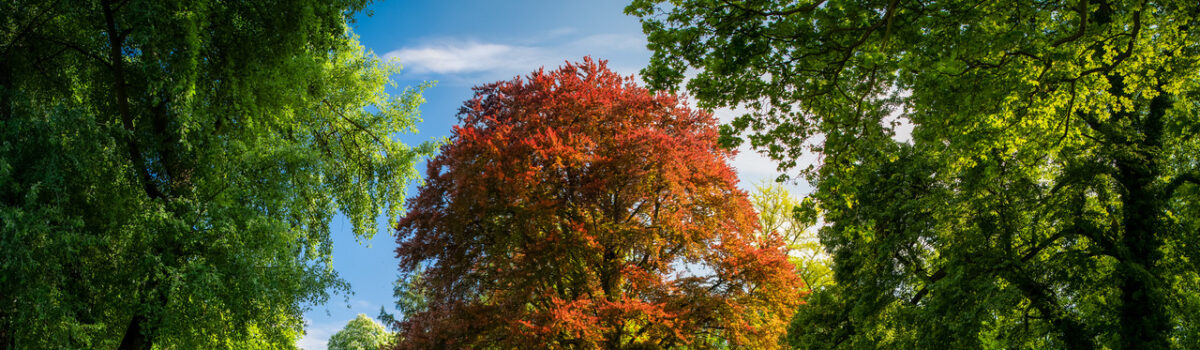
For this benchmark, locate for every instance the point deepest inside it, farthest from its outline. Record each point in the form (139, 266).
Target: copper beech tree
(575, 209)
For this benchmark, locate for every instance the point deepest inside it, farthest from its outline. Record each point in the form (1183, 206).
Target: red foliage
(575, 209)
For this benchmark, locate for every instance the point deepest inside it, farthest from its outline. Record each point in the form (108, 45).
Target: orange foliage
(575, 209)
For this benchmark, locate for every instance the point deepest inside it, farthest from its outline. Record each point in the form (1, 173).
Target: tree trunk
(135, 337)
(1143, 319)
(610, 284)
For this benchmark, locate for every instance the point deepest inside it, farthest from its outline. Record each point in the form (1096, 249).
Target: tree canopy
(361, 333)
(575, 209)
(1047, 197)
(168, 169)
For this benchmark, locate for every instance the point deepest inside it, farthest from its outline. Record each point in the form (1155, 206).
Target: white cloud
(309, 342)
(453, 57)
(465, 60)
(316, 337)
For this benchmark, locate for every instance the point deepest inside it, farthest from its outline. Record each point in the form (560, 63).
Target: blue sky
(461, 44)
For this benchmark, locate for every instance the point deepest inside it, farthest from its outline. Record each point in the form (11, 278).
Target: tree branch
(352, 122)
(1121, 56)
(810, 7)
(25, 29)
(116, 59)
(1192, 177)
(941, 273)
(79, 49)
(1082, 10)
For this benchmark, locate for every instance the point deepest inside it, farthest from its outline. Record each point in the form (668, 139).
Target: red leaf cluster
(575, 209)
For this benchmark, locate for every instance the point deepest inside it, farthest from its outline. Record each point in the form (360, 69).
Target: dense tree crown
(361, 333)
(1048, 197)
(575, 209)
(168, 169)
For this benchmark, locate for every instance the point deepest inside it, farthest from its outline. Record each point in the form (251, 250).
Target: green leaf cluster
(169, 169)
(1047, 197)
(794, 220)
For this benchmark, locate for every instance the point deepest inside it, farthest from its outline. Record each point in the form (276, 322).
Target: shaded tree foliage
(1045, 198)
(168, 169)
(575, 209)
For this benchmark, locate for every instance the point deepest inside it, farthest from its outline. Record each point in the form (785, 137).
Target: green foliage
(1047, 197)
(793, 220)
(410, 297)
(168, 169)
(361, 333)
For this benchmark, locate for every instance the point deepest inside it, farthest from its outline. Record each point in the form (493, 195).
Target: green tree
(1046, 197)
(793, 219)
(361, 333)
(168, 169)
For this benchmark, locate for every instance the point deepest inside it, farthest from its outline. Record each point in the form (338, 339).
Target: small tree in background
(781, 213)
(575, 209)
(361, 333)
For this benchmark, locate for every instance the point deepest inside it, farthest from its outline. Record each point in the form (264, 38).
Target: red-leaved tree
(575, 209)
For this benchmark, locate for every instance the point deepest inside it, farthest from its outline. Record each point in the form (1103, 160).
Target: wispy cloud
(467, 61)
(456, 57)
(316, 337)
(472, 61)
